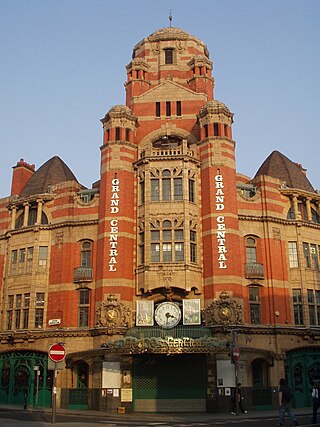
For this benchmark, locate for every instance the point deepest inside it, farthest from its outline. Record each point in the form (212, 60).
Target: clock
(167, 314)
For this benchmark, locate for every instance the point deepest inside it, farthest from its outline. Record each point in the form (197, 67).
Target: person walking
(237, 400)
(316, 401)
(285, 397)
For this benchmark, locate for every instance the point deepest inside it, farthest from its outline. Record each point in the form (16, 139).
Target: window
(29, 259)
(254, 301)
(191, 185)
(39, 310)
(14, 261)
(166, 185)
(167, 243)
(206, 131)
(84, 307)
(178, 106)
(42, 259)
(306, 254)
(158, 111)
(168, 109)
(155, 245)
(315, 216)
(297, 306)
(215, 129)
(251, 250)
(177, 187)
(127, 134)
(17, 312)
(141, 247)
(86, 251)
(314, 307)
(171, 187)
(293, 255)
(155, 190)
(314, 257)
(25, 313)
(303, 211)
(193, 246)
(32, 217)
(117, 134)
(168, 56)
(21, 260)
(10, 311)
(142, 189)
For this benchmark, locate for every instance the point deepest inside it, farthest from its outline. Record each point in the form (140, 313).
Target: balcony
(254, 270)
(82, 274)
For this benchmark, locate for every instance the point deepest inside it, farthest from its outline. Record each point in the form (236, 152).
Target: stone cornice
(298, 223)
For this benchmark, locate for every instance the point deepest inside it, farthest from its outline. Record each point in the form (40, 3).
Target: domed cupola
(119, 124)
(215, 119)
(169, 54)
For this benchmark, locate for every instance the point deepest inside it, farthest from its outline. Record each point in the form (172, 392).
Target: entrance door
(173, 383)
(19, 384)
(302, 368)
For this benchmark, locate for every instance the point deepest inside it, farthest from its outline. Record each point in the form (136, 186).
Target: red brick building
(171, 253)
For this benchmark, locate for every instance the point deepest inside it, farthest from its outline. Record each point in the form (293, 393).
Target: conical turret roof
(279, 166)
(53, 172)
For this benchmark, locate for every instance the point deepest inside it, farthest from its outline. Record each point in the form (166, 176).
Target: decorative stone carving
(59, 239)
(113, 314)
(224, 311)
(166, 278)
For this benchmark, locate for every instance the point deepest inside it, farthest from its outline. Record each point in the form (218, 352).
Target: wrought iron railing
(254, 270)
(83, 274)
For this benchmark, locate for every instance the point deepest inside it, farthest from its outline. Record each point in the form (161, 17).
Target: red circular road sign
(57, 352)
(236, 354)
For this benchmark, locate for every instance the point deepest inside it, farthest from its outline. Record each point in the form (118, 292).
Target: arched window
(86, 254)
(32, 218)
(315, 216)
(251, 250)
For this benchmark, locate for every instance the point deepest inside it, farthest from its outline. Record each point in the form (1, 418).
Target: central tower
(168, 187)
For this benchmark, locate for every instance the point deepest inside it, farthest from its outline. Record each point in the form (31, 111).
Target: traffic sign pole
(235, 358)
(57, 353)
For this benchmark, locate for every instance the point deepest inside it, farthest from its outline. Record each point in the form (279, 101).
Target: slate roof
(279, 166)
(53, 172)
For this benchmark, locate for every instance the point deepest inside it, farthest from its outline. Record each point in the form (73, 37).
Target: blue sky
(63, 67)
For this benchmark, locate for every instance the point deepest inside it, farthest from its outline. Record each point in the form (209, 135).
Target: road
(19, 418)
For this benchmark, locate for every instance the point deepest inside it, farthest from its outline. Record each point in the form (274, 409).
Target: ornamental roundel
(224, 311)
(113, 313)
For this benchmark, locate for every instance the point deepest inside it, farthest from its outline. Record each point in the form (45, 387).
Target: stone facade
(170, 225)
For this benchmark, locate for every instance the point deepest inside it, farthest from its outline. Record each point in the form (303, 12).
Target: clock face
(167, 314)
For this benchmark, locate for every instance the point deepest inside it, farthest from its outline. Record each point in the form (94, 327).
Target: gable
(170, 91)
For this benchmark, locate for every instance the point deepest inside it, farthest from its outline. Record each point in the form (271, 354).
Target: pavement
(146, 417)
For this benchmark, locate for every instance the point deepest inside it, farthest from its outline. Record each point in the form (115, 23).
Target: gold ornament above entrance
(167, 345)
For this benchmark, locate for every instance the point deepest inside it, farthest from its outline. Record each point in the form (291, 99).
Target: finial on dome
(170, 17)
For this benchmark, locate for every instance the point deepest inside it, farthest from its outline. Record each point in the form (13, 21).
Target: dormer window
(168, 56)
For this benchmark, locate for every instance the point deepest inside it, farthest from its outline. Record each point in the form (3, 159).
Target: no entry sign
(236, 354)
(57, 352)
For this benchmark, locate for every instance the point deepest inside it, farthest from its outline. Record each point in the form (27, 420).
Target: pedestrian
(316, 401)
(285, 397)
(238, 400)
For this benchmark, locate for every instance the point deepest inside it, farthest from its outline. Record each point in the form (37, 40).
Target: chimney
(22, 172)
